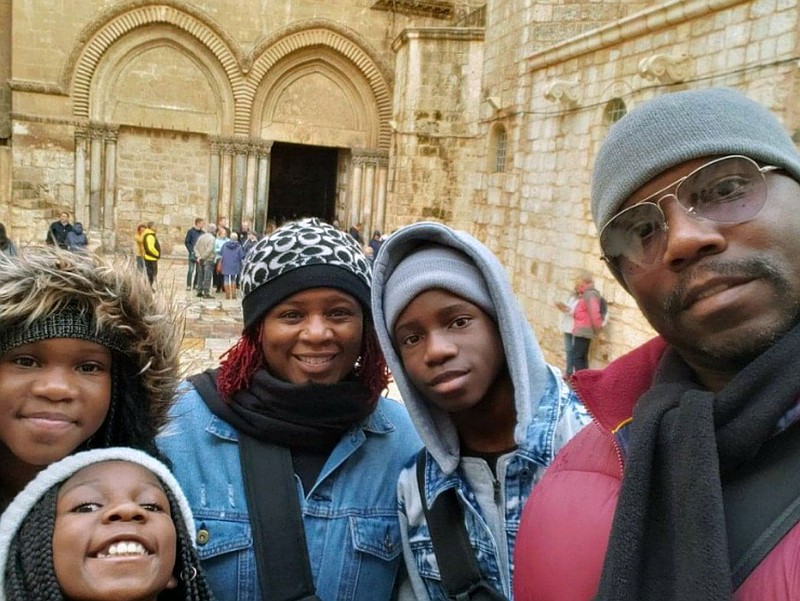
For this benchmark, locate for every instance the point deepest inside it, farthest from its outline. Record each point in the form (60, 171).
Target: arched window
(615, 110)
(498, 149)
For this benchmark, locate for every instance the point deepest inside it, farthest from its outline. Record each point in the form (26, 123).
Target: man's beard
(735, 355)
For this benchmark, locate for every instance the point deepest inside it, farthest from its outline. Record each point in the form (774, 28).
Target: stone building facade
(482, 114)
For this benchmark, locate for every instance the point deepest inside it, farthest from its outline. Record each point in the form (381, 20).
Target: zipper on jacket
(603, 429)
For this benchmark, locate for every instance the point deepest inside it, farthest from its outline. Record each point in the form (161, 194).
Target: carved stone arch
(118, 94)
(335, 53)
(134, 17)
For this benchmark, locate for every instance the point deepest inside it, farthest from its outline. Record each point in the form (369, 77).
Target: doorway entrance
(302, 182)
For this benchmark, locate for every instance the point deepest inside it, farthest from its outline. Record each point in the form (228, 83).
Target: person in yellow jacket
(139, 240)
(151, 252)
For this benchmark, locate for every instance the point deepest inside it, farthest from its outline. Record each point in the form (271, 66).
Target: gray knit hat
(434, 266)
(298, 256)
(679, 127)
(69, 322)
(60, 471)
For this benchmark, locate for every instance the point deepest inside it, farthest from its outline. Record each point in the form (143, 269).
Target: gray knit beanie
(298, 256)
(434, 266)
(679, 127)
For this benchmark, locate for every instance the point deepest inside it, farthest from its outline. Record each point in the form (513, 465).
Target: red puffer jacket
(565, 526)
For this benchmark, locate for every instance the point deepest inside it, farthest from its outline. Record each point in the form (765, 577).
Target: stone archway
(318, 86)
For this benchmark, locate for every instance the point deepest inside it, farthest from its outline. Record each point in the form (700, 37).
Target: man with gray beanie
(491, 412)
(684, 487)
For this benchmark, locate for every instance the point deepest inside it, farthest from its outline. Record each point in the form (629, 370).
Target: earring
(189, 570)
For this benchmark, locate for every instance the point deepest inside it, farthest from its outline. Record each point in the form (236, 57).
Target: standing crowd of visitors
(285, 473)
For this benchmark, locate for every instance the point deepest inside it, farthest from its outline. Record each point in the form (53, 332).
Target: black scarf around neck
(668, 539)
(308, 417)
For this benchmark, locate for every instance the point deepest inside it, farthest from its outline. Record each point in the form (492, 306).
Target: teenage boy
(491, 412)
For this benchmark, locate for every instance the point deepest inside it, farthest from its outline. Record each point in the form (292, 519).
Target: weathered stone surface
(127, 111)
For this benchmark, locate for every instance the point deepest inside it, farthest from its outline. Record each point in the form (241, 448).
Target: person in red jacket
(695, 195)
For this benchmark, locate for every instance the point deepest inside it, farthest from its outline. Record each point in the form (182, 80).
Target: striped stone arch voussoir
(306, 35)
(112, 25)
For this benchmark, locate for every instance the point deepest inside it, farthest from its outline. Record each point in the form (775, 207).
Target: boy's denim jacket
(350, 515)
(560, 416)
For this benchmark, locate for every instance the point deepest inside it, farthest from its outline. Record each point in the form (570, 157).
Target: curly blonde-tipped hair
(42, 281)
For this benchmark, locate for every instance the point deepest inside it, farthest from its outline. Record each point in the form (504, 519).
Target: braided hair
(30, 573)
(128, 422)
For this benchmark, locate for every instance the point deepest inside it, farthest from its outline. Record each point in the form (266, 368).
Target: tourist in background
(189, 241)
(139, 246)
(587, 320)
(152, 252)
(6, 245)
(223, 235)
(566, 324)
(77, 240)
(231, 263)
(57, 232)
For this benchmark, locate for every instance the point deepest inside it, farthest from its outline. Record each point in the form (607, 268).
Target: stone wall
(42, 185)
(133, 110)
(436, 133)
(162, 176)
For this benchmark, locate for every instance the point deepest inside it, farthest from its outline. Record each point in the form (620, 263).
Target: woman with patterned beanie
(287, 452)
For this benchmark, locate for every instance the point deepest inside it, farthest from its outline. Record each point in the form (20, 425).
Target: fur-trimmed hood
(44, 280)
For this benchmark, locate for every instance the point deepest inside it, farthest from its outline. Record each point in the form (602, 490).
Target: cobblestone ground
(211, 326)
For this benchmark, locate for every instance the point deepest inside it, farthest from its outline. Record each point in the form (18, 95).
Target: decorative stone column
(354, 214)
(226, 170)
(96, 135)
(214, 178)
(241, 149)
(81, 195)
(110, 136)
(367, 202)
(263, 157)
(250, 185)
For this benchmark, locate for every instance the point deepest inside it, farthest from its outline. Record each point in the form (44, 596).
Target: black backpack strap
(276, 521)
(284, 572)
(762, 502)
(461, 576)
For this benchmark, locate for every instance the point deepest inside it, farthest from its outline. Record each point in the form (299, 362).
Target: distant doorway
(302, 182)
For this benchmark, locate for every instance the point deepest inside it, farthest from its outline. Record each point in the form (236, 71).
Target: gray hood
(529, 373)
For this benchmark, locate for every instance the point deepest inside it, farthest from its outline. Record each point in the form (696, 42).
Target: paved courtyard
(211, 326)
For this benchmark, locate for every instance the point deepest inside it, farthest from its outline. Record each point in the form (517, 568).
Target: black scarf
(309, 417)
(668, 539)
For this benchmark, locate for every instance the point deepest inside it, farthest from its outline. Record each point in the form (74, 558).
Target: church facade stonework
(484, 115)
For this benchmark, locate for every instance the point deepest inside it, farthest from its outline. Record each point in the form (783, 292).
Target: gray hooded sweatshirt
(548, 415)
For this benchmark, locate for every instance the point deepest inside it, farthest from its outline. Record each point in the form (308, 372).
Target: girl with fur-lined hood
(88, 359)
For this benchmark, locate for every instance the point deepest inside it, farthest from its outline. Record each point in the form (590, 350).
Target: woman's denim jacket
(350, 514)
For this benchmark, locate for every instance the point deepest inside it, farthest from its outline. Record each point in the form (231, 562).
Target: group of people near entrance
(285, 474)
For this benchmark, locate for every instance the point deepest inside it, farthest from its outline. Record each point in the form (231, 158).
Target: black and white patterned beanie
(298, 256)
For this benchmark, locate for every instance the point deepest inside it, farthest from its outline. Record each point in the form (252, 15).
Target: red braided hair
(241, 361)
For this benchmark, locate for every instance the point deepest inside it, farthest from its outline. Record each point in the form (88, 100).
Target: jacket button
(202, 536)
